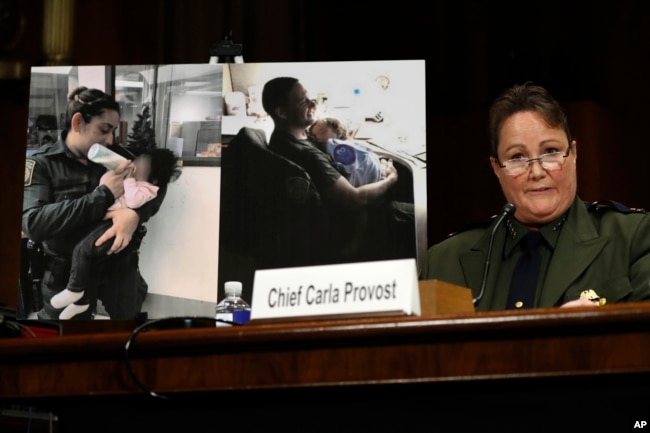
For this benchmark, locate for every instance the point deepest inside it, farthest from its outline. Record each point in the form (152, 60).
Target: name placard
(345, 290)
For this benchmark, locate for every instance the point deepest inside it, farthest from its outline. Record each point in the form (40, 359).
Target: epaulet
(34, 153)
(472, 226)
(41, 150)
(612, 205)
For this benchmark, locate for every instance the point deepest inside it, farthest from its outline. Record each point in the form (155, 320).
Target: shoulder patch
(612, 205)
(29, 171)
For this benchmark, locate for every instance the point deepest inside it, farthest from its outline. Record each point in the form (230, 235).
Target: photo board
(212, 226)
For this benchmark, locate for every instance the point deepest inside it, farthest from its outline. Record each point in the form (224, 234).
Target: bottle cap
(233, 288)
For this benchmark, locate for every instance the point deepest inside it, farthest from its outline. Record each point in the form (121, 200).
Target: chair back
(270, 208)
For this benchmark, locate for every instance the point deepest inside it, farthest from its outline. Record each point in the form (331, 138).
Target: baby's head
(157, 166)
(326, 128)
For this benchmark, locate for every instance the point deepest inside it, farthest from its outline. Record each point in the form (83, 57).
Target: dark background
(593, 56)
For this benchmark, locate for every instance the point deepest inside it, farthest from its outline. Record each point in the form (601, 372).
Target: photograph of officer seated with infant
(324, 163)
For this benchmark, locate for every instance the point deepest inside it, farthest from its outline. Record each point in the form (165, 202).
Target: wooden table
(593, 360)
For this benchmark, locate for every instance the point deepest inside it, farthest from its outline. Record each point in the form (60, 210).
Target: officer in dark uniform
(62, 200)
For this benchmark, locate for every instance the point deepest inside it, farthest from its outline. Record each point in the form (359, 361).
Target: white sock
(72, 310)
(65, 297)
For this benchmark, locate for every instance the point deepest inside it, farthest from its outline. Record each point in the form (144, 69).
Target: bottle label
(240, 316)
(224, 316)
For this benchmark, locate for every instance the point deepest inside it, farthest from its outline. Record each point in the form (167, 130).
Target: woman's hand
(125, 221)
(580, 303)
(114, 179)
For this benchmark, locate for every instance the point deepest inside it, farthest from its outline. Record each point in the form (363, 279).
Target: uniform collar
(60, 148)
(576, 250)
(281, 134)
(516, 232)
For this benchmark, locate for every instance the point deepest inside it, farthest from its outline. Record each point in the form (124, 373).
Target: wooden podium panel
(582, 369)
(454, 347)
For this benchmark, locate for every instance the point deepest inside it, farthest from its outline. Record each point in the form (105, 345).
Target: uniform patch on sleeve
(29, 171)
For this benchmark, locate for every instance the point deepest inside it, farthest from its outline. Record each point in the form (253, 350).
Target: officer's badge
(29, 171)
(592, 296)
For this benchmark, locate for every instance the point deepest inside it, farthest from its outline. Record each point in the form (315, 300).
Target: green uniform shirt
(602, 248)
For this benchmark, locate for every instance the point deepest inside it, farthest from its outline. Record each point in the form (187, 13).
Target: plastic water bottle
(233, 308)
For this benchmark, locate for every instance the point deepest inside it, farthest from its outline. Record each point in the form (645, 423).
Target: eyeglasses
(549, 162)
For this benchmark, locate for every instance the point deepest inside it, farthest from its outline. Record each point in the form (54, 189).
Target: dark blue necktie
(524, 278)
